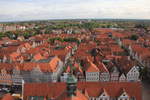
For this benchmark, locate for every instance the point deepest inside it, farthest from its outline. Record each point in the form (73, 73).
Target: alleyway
(146, 90)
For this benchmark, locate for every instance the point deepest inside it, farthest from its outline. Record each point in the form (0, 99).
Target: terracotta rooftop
(113, 89)
(91, 67)
(8, 97)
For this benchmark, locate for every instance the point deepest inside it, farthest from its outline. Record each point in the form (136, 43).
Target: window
(36, 98)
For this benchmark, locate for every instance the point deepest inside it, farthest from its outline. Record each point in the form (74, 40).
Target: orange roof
(91, 67)
(78, 67)
(52, 90)
(113, 89)
(7, 97)
(55, 90)
(38, 56)
(119, 35)
(102, 67)
(45, 67)
(53, 63)
(127, 42)
(79, 96)
(116, 48)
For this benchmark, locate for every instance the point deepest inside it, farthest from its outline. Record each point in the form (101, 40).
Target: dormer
(114, 69)
(124, 95)
(104, 95)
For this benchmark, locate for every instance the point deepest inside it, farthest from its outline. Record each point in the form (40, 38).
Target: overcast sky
(13, 10)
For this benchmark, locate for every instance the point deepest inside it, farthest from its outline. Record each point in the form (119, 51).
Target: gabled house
(114, 73)
(122, 77)
(104, 73)
(36, 74)
(124, 95)
(5, 77)
(133, 74)
(16, 76)
(92, 72)
(103, 95)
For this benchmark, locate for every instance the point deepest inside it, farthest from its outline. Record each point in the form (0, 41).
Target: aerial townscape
(79, 59)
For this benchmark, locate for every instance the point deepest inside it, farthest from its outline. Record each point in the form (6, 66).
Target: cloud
(62, 9)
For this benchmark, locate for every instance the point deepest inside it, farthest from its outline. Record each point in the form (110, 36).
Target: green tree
(51, 40)
(1, 35)
(11, 35)
(134, 37)
(26, 35)
(140, 26)
(71, 40)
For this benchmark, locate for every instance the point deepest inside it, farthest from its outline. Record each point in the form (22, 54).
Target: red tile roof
(53, 63)
(79, 96)
(38, 56)
(8, 97)
(102, 67)
(91, 67)
(134, 89)
(52, 90)
(93, 89)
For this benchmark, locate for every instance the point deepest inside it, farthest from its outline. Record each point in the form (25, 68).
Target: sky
(19, 10)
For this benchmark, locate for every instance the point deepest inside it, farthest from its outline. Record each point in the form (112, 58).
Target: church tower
(71, 85)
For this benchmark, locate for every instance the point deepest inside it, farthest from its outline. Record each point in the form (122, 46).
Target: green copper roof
(71, 79)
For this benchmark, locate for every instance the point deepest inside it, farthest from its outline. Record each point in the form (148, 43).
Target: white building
(92, 72)
(133, 74)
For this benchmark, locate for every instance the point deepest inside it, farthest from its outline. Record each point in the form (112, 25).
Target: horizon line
(57, 19)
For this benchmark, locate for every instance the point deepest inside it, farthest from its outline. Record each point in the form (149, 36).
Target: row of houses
(73, 90)
(102, 73)
(138, 50)
(15, 74)
(107, 61)
(92, 72)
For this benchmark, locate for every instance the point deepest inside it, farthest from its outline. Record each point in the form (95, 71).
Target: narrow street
(146, 91)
